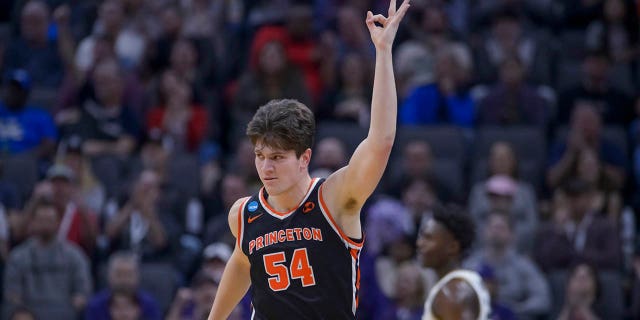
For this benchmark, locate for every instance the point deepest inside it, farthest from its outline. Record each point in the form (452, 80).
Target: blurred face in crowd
(614, 10)
(300, 21)
(586, 121)
(205, 293)
(582, 285)
(63, 190)
(148, 184)
(107, 83)
(175, 91)
(507, 30)
(111, 15)
(330, 154)
(183, 57)
(124, 307)
(45, 223)
(272, 58)
(596, 69)
(417, 158)
(22, 315)
(171, 21)
(498, 231)
(233, 188)
(409, 283)
(511, 72)
(434, 20)
(123, 275)
(346, 17)
(154, 156)
(418, 196)
(502, 159)
(34, 22)
(353, 70)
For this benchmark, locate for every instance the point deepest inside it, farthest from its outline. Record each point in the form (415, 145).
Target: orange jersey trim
(264, 202)
(240, 218)
(333, 222)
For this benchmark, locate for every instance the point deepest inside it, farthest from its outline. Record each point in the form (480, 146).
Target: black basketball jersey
(302, 265)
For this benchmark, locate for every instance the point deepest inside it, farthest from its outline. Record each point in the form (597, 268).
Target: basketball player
(442, 243)
(299, 238)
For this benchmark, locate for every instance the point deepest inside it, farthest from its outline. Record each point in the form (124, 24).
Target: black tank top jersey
(302, 265)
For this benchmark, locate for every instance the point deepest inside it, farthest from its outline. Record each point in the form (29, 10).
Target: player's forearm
(384, 102)
(233, 286)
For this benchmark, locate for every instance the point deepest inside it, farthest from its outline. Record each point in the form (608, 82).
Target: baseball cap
(217, 251)
(60, 171)
(502, 185)
(20, 77)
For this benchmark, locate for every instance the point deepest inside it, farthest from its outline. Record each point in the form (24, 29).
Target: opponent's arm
(235, 278)
(456, 301)
(349, 187)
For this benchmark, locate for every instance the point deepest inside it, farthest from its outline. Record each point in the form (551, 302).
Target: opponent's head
(446, 237)
(282, 135)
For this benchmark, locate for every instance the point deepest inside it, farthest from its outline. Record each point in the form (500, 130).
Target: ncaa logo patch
(253, 206)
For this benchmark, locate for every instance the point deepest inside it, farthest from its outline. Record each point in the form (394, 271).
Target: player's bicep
(357, 181)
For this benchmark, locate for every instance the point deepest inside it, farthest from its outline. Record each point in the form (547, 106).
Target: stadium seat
(350, 134)
(21, 171)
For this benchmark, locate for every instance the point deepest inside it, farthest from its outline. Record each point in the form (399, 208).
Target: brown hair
(284, 124)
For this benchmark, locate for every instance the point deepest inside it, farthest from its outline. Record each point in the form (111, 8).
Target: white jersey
(473, 279)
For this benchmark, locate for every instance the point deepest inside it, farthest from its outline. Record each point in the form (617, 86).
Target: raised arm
(235, 278)
(348, 188)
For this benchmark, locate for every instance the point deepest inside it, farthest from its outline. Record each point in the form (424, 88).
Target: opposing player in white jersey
(442, 243)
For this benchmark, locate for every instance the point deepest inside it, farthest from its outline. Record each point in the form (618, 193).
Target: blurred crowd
(122, 147)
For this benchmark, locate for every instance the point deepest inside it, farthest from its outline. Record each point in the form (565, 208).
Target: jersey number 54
(281, 276)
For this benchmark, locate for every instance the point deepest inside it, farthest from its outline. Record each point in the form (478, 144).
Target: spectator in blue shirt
(447, 101)
(123, 277)
(24, 128)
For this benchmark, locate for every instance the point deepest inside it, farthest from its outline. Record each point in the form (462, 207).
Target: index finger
(392, 8)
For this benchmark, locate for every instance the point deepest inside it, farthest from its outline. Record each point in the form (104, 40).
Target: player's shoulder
(236, 207)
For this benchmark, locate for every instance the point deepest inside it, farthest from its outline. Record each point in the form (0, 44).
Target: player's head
(282, 135)
(283, 124)
(445, 237)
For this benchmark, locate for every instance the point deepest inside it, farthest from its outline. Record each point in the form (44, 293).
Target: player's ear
(453, 248)
(305, 157)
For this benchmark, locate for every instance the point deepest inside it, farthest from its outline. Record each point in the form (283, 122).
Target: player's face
(279, 170)
(432, 244)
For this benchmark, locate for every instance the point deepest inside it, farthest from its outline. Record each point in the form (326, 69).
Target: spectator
(140, 225)
(123, 280)
(231, 187)
(416, 162)
(447, 101)
(330, 155)
(106, 125)
(512, 100)
(503, 191)
(522, 287)
(182, 121)
(410, 292)
(22, 313)
(613, 106)
(270, 76)
(91, 192)
(576, 234)
(586, 132)
(194, 303)
(350, 98)
(24, 128)
(581, 293)
(214, 259)
(507, 38)
(616, 32)
(127, 44)
(48, 275)
(44, 55)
